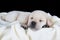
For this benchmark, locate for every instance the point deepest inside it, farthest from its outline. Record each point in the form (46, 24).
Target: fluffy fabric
(16, 32)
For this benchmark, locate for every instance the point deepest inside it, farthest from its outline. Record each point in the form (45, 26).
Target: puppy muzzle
(33, 24)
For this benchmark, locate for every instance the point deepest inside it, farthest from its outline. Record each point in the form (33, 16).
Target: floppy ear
(49, 23)
(24, 24)
(48, 20)
(23, 18)
(26, 19)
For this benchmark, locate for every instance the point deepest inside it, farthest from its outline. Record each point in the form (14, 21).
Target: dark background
(28, 5)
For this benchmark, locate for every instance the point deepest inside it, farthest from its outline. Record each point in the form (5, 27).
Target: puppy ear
(27, 18)
(48, 19)
(49, 23)
(23, 18)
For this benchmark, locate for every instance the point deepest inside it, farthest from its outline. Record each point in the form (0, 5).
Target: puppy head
(37, 20)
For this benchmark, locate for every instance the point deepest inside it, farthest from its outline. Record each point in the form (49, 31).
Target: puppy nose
(33, 23)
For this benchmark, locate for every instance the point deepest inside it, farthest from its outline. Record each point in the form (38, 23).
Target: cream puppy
(38, 19)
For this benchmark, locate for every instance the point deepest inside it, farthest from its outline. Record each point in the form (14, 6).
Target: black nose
(33, 24)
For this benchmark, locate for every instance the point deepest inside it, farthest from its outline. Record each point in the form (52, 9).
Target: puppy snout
(33, 24)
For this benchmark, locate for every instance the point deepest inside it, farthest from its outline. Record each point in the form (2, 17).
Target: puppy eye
(40, 20)
(31, 17)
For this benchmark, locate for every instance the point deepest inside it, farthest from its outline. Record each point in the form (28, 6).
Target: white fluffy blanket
(16, 32)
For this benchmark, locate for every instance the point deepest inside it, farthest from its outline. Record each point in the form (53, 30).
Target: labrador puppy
(38, 19)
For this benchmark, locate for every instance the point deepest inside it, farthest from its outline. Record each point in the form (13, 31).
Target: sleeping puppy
(37, 20)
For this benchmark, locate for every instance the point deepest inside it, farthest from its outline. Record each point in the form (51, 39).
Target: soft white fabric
(56, 20)
(16, 32)
(46, 34)
(2, 21)
(3, 13)
(11, 16)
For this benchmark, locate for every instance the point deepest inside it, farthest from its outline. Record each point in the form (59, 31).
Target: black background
(28, 5)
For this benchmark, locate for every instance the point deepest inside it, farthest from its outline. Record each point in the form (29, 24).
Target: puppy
(37, 20)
